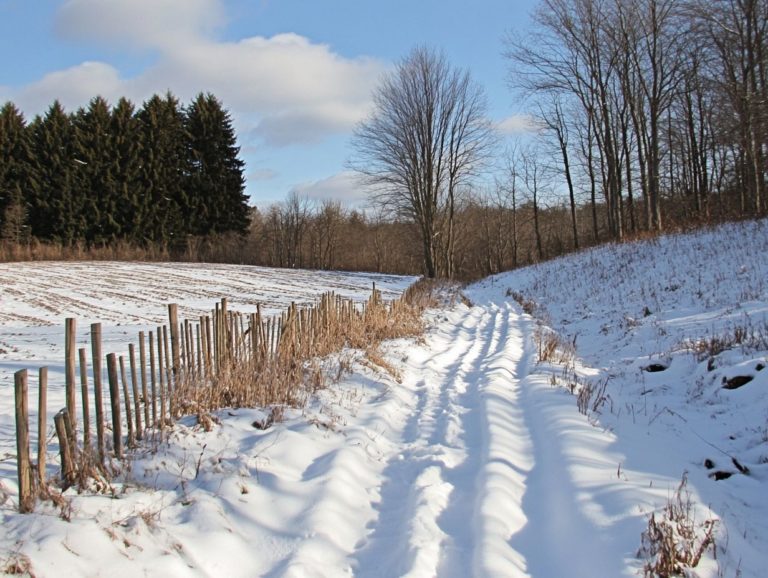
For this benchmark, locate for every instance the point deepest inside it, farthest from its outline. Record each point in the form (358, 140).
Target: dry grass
(41, 251)
(375, 359)
(552, 347)
(750, 338)
(592, 396)
(17, 564)
(674, 542)
(529, 306)
(278, 363)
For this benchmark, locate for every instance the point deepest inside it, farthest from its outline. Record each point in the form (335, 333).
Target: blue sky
(296, 75)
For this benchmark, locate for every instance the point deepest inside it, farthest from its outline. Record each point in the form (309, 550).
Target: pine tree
(16, 173)
(164, 170)
(54, 213)
(216, 185)
(93, 184)
(130, 209)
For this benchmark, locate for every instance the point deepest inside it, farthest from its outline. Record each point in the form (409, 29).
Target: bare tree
(427, 136)
(555, 121)
(324, 232)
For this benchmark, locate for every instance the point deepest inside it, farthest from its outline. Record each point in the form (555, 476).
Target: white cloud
(307, 124)
(73, 87)
(345, 187)
(139, 23)
(298, 91)
(518, 124)
(283, 90)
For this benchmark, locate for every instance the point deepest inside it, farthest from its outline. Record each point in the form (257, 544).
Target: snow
(470, 459)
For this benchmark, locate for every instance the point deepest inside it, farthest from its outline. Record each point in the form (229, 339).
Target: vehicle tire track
(410, 535)
(440, 513)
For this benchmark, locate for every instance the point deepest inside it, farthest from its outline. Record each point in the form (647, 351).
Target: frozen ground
(472, 457)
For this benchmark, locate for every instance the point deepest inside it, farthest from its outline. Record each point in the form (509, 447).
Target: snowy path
(469, 465)
(462, 494)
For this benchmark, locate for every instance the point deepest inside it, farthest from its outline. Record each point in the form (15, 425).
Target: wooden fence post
(127, 398)
(224, 329)
(61, 420)
(209, 353)
(42, 430)
(24, 466)
(97, 389)
(114, 395)
(135, 387)
(70, 325)
(169, 385)
(143, 363)
(173, 318)
(198, 334)
(152, 375)
(86, 405)
(161, 378)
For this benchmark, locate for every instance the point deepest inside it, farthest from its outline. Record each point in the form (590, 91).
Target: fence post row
(181, 355)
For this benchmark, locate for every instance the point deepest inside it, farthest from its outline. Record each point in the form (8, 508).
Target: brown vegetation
(195, 367)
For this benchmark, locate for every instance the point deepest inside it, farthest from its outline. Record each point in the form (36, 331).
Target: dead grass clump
(749, 337)
(674, 542)
(278, 361)
(592, 396)
(424, 293)
(18, 564)
(552, 348)
(529, 306)
(374, 357)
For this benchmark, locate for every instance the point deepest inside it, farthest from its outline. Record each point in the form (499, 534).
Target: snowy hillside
(671, 328)
(502, 444)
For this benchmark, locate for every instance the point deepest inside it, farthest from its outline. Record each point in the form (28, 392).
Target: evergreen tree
(216, 188)
(16, 173)
(54, 211)
(130, 210)
(164, 169)
(93, 184)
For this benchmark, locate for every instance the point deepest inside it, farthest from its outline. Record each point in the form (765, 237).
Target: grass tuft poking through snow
(674, 541)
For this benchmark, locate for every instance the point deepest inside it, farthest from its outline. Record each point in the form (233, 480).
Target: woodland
(646, 116)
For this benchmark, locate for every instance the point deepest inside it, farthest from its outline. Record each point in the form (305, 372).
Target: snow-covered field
(471, 458)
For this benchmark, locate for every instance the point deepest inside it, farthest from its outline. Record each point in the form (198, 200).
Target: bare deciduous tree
(427, 136)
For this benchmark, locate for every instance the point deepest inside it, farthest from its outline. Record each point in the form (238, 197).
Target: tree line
(489, 236)
(153, 175)
(653, 111)
(647, 115)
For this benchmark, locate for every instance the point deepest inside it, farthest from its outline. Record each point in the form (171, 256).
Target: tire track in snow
(556, 499)
(507, 452)
(413, 529)
(483, 484)
(460, 517)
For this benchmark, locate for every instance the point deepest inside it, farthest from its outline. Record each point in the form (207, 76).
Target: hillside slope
(531, 432)
(676, 331)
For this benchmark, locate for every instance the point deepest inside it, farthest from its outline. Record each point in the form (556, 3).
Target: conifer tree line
(153, 175)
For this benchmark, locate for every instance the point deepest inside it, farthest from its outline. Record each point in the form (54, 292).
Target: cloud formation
(73, 87)
(345, 186)
(281, 90)
(163, 24)
(518, 124)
